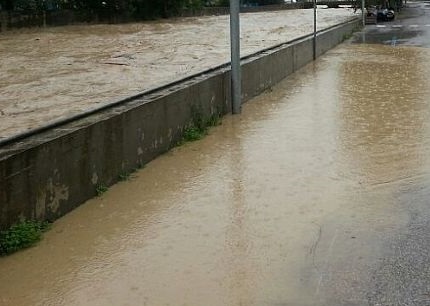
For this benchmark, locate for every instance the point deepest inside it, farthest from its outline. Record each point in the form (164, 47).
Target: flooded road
(57, 72)
(316, 195)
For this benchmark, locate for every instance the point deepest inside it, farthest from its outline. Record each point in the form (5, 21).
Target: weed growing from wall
(200, 125)
(100, 189)
(21, 235)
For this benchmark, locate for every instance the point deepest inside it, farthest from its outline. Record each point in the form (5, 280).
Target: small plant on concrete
(197, 118)
(193, 133)
(199, 125)
(100, 189)
(21, 235)
(124, 176)
(346, 36)
(214, 120)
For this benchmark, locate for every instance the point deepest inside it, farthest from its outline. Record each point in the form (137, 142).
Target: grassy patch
(21, 235)
(200, 125)
(193, 133)
(124, 176)
(214, 120)
(346, 36)
(100, 189)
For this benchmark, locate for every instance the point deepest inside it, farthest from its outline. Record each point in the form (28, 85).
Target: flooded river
(56, 72)
(298, 201)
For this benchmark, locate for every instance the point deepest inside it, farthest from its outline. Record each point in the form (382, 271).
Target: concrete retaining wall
(49, 174)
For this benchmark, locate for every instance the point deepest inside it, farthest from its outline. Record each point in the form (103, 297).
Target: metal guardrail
(61, 122)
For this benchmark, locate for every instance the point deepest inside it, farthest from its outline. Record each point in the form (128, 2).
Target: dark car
(384, 14)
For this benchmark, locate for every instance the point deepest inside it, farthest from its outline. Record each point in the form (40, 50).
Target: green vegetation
(346, 36)
(105, 9)
(100, 189)
(193, 133)
(108, 10)
(124, 176)
(214, 120)
(200, 125)
(21, 235)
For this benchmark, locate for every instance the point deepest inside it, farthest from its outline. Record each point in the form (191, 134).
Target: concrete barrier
(3, 21)
(327, 39)
(48, 174)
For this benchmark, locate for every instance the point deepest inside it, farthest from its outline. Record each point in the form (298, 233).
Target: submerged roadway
(318, 194)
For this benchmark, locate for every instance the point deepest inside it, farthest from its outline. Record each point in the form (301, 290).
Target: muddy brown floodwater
(290, 203)
(57, 72)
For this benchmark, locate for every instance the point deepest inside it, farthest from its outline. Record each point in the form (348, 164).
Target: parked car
(385, 14)
(381, 13)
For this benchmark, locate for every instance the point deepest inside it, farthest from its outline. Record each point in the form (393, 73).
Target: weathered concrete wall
(49, 174)
(326, 40)
(3, 21)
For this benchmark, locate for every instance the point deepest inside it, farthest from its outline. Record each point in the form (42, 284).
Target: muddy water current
(57, 72)
(291, 203)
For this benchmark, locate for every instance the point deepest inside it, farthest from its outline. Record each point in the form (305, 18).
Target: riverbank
(58, 72)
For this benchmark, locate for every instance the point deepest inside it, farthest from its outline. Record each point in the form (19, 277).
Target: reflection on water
(243, 269)
(288, 204)
(384, 111)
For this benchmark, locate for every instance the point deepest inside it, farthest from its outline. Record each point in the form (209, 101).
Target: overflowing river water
(57, 72)
(294, 202)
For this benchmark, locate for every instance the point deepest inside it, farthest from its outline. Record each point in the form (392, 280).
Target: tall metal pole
(362, 13)
(315, 30)
(235, 57)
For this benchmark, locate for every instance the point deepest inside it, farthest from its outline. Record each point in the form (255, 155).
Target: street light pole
(362, 13)
(315, 31)
(235, 56)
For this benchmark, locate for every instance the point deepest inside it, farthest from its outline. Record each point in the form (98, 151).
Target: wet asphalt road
(411, 27)
(403, 275)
